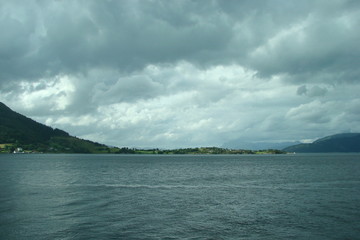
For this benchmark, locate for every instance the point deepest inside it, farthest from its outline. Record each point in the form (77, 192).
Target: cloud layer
(184, 73)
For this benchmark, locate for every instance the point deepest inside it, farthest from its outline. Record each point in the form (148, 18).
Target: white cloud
(43, 96)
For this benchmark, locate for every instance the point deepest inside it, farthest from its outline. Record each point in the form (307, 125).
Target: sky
(183, 73)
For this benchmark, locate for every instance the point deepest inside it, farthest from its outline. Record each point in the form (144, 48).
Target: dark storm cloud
(322, 46)
(45, 38)
(52, 37)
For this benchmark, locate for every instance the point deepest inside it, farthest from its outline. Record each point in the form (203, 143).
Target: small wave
(159, 186)
(288, 186)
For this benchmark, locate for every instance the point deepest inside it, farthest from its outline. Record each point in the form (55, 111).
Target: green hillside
(345, 142)
(18, 131)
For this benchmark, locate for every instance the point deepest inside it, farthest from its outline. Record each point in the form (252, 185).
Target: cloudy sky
(183, 73)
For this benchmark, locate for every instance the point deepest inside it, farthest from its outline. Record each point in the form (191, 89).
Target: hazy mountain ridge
(343, 142)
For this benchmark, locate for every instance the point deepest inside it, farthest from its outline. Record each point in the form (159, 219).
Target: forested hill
(345, 142)
(15, 127)
(18, 131)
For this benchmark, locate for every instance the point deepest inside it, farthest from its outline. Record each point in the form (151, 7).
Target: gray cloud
(322, 47)
(160, 73)
(52, 37)
(314, 91)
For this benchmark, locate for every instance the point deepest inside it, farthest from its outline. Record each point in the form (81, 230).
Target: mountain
(344, 142)
(18, 131)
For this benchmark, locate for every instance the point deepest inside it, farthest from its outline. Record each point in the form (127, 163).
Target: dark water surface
(314, 196)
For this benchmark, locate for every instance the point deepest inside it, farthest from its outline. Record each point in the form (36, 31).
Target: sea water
(302, 196)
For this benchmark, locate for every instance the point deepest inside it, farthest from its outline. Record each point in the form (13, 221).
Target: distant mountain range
(344, 142)
(22, 134)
